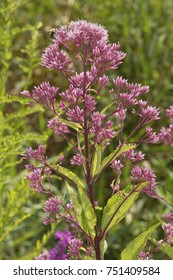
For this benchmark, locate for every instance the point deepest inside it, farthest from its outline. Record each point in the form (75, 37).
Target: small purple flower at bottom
(43, 256)
(74, 248)
(166, 135)
(168, 217)
(143, 255)
(168, 229)
(59, 252)
(169, 112)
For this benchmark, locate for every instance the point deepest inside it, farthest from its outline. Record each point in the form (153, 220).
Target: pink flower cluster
(101, 133)
(128, 93)
(35, 179)
(58, 127)
(74, 248)
(144, 174)
(166, 135)
(168, 217)
(168, 229)
(86, 38)
(38, 154)
(52, 204)
(77, 160)
(55, 58)
(169, 112)
(43, 94)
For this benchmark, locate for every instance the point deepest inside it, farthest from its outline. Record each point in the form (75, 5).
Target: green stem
(88, 163)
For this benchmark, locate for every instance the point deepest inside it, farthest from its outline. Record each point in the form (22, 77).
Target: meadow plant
(82, 53)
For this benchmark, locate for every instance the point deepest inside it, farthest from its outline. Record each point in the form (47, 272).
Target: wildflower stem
(88, 175)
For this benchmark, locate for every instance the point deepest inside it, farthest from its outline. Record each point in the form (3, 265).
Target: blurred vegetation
(145, 32)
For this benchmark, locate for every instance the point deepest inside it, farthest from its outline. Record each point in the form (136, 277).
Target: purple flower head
(85, 36)
(30, 167)
(53, 58)
(166, 135)
(144, 174)
(119, 82)
(48, 220)
(168, 217)
(70, 205)
(72, 95)
(59, 252)
(90, 104)
(35, 179)
(63, 235)
(169, 112)
(102, 134)
(150, 137)
(47, 171)
(149, 114)
(74, 248)
(76, 115)
(117, 166)
(44, 94)
(43, 256)
(77, 160)
(60, 159)
(143, 255)
(89, 250)
(52, 204)
(104, 80)
(168, 229)
(129, 93)
(38, 154)
(133, 156)
(58, 127)
(81, 33)
(121, 114)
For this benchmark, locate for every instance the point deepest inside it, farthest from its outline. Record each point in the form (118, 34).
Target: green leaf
(69, 175)
(167, 249)
(107, 107)
(84, 211)
(77, 204)
(136, 246)
(115, 154)
(95, 168)
(118, 205)
(103, 248)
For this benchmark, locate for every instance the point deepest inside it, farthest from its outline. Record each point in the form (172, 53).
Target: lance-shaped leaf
(84, 212)
(118, 205)
(64, 172)
(95, 167)
(108, 107)
(103, 248)
(136, 246)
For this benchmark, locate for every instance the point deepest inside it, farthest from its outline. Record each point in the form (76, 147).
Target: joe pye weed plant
(82, 53)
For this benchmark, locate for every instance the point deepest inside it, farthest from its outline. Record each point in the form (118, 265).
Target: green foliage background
(145, 32)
